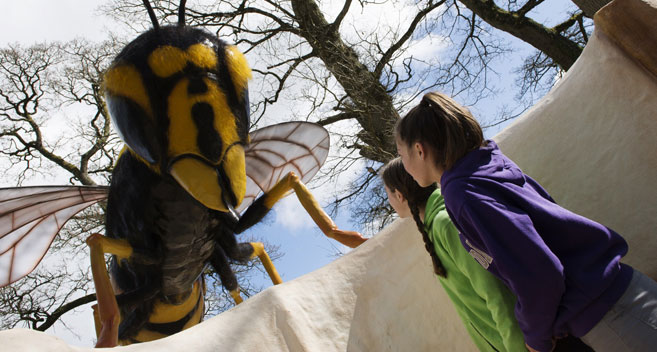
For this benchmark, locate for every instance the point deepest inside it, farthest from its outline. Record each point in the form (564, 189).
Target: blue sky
(305, 248)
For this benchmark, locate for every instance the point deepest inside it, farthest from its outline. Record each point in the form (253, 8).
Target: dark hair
(396, 178)
(444, 126)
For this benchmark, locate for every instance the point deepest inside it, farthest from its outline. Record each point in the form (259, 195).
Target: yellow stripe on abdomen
(167, 312)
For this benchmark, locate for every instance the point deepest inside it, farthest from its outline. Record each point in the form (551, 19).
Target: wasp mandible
(184, 185)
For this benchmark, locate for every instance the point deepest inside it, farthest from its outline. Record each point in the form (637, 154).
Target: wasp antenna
(151, 13)
(181, 13)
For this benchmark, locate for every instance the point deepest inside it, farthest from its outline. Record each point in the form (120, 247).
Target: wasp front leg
(324, 222)
(227, 249)
(106, 311)
(261, 207)
(292, 182)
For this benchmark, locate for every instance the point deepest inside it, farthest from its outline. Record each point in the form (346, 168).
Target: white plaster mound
(591, 142)
(380, 297)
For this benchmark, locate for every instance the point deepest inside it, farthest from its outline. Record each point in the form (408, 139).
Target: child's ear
(418, 148)
(400, 196)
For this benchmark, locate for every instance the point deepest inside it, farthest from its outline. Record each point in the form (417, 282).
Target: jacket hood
(487, 162)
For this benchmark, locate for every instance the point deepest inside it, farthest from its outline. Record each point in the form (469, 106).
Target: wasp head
(178, 98)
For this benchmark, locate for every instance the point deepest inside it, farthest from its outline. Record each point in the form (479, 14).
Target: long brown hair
(396, 178)
(444, 126)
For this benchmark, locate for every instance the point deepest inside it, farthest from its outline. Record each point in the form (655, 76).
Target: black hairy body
(173, 237)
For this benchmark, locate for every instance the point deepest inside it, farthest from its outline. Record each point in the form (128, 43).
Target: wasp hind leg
(259, 251)
(106, 311)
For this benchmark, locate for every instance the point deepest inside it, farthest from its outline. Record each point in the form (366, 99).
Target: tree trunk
(374, 109)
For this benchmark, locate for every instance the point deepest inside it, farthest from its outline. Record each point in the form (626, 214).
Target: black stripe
(196, 86)
(236, 105)
(208, 139)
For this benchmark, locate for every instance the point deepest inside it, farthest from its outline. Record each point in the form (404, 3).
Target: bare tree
(53, 119)
(37, 84)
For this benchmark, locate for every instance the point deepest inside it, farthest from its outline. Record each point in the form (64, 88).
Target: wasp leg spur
(106, 311)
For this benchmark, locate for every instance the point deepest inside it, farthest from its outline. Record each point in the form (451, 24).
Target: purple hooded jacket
(564, 268)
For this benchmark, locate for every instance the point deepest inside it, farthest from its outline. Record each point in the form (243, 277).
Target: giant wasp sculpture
(178, 97)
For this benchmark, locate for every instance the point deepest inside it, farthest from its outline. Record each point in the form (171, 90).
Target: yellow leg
(280, 189)
(291, 181)
(107, 310)
(259, 251)
(319, 216)
(236, 296)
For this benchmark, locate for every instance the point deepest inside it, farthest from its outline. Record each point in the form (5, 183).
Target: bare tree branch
(563, 51)
(406, 36)
(57, 313)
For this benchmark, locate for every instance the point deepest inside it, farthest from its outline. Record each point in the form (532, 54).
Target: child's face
(398, 203)
(418, 163)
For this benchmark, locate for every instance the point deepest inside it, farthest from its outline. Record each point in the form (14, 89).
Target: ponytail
(445, 127)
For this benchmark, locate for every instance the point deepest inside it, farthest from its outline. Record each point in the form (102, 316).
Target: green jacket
(483, 302)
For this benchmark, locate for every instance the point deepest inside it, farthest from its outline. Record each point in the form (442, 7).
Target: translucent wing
(30, 217)
(275, 150)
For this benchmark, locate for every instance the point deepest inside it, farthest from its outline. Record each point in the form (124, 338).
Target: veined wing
(31, 217)
(275, 150)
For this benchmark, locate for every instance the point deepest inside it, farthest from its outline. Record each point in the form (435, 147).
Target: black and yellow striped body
(168, 318)
(178, 97)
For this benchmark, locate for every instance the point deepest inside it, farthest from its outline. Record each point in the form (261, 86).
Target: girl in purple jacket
(565, 269)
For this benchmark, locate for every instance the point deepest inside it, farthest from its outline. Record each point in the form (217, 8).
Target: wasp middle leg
(259, 209)
(228, 248)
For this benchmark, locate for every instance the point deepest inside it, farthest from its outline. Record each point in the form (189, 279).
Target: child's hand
(349, 238)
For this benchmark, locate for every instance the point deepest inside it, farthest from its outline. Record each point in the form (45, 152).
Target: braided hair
(396, 178)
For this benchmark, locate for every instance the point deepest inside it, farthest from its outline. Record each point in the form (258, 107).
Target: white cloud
(427, 48)
(291, 215)
(30, 21)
